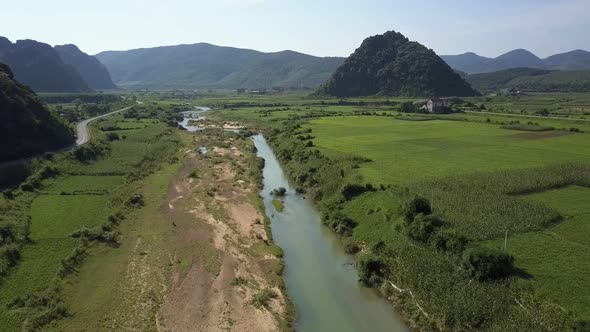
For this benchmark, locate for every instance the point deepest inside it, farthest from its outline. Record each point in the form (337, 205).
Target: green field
(79, 195)
(557, 258)
(407, 151)
(481, 179)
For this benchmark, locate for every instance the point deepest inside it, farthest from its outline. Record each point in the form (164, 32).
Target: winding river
(320, 277)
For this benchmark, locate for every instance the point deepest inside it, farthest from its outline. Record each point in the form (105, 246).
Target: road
(528, 116)
(82, 129)
(81, 132)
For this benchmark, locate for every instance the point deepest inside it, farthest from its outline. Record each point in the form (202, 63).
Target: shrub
(136, 200)
(112, 137)
(281, 191)
(340, 223)
(370, 270)
(349, 191)
(423, 227)
(416, 206)
(262, 298)
(449, 240)
(350, 246)
(487, 264)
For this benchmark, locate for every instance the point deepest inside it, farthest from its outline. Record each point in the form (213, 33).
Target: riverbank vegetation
(471, 256)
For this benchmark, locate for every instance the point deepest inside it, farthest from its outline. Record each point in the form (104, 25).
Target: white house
(435, 105)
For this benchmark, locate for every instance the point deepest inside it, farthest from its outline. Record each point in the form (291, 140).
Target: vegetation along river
(320, 277)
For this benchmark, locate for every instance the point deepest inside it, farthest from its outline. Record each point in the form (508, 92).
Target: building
(436, 105)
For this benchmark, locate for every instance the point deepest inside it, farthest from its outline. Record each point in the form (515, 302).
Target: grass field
(557, 258)
(408, 151)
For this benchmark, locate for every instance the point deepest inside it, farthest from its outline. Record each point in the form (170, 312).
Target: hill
(26, 126)
(574, 60)
(94, 73)
(531, 79)
(390, 64)
(472, 63)
(204, 65)
(39, 66)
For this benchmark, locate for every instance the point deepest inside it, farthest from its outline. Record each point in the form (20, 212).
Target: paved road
(528, 116)
(82, 128)
(81, 132)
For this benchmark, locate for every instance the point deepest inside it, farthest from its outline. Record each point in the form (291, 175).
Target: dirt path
(223, 260)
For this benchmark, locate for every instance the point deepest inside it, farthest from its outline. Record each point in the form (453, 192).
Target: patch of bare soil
(219, 262)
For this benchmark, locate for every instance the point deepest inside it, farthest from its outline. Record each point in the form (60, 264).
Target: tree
(408, 107)
(487, 264)
(423, 227)
(416, 206)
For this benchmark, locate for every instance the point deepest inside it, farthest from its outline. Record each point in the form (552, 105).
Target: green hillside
(208, 66)
(529, 79)
(26, 126)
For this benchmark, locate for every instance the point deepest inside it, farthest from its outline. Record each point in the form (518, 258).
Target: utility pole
(505, 240)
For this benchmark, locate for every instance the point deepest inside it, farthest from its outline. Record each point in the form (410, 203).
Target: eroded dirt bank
(226, 273)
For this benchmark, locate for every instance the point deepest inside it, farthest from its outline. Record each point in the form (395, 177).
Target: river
(320, 277)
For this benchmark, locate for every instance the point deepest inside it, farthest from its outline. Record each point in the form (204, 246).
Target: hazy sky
(318, 27)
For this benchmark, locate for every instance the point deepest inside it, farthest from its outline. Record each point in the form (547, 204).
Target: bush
(487, 264)
(350, 246)
(340, 223)
(349, 191)
(423, 227)
(449, 240)
(280, 192)
(370, 270)
(262, 298)
(416, 206)
(112, 137)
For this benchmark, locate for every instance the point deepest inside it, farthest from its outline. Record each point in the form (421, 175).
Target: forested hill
(39, 66)
(94, 73)
(390, 64)
(530, 79)
(204, 65)
(26, 126)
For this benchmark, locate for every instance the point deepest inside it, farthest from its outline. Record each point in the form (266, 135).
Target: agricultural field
(70, 210)
(407, 151)
(484, 176)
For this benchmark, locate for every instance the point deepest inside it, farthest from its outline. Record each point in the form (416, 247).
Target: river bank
(320, 277)
(226, 272)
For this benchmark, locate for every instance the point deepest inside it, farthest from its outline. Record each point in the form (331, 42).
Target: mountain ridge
(94, 73)
(205, 65)
(472, 63)
(39, 66)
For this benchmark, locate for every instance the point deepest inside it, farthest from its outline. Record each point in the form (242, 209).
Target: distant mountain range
(472, 63)
(204, 65)
(48, 69)
(532, 79)
(390, 64)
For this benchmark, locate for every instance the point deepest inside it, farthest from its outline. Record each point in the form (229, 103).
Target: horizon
(290, 50)
(455, 27)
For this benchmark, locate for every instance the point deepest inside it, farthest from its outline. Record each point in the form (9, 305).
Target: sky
(317, 27)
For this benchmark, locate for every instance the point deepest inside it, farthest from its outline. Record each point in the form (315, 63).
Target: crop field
(563, 104)
(557, 257)
(82, 195)
(407, 151)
